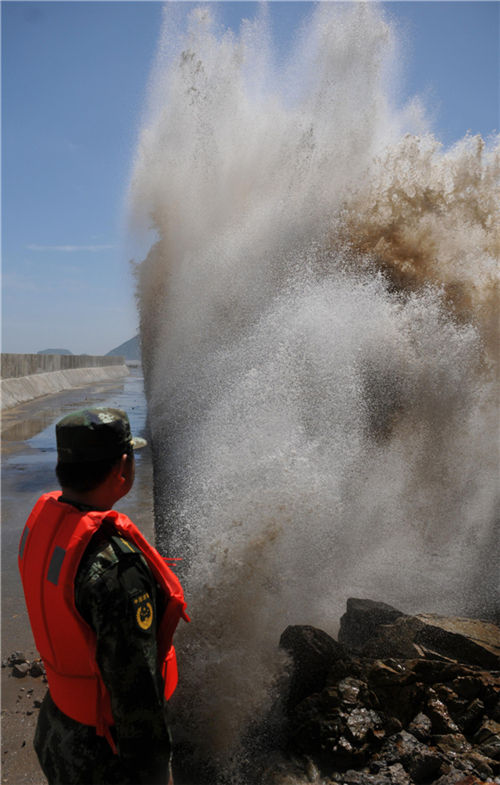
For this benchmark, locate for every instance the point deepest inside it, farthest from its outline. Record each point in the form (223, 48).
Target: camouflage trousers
(71, 753)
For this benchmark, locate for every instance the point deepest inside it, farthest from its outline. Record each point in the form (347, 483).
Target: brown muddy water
(28, 461)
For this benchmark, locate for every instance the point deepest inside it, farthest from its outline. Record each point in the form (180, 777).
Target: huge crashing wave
(319, 326)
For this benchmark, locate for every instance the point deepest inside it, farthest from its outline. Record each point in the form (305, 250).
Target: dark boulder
(420, 761)
(396, 640)
(436, 638)
(452, 744)
(361, 619)
(485, 767)
(37, 669)
(415, 705)
(313, 653)
(20, 670)
(17, 658)
(439, 715)
(488, 739)
(420, 727)
(472, 641)
(470, 720)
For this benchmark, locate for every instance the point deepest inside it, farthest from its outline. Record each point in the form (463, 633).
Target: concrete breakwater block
(26, 388)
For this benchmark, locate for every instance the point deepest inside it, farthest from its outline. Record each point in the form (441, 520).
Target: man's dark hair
(84, 477)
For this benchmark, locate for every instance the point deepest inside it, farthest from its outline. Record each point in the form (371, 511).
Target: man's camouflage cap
(96, 434)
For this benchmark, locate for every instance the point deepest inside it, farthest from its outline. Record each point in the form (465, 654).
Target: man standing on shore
(103, 608)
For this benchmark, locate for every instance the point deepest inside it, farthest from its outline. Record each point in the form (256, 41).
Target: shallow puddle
(26, 429)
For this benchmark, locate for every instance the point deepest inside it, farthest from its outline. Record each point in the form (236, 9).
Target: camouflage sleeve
(118, 598)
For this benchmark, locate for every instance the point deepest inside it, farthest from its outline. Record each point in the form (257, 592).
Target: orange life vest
(52, 545)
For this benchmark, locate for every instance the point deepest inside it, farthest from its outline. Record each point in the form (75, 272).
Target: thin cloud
(69, 248)
(18, 281)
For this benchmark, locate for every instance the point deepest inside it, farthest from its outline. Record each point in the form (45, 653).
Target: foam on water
(320, 345)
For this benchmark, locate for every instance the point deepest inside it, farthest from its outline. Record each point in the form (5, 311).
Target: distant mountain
(55, 351)
(131, 350)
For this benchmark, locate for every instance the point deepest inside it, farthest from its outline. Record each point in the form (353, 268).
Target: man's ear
(119, 469)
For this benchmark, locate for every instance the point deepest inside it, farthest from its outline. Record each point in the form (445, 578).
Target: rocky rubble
(397, 700)
(24, 686)
(22, 667)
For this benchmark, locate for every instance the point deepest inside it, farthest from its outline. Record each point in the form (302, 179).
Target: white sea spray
(320, 342)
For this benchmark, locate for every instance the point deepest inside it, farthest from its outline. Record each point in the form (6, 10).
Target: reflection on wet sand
(26, 429)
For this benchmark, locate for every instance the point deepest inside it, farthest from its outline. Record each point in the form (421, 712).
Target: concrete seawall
(29, 376)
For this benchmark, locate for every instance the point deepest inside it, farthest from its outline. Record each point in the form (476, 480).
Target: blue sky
(73, 84)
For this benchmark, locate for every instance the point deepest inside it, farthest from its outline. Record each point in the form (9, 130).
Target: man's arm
(120, 603)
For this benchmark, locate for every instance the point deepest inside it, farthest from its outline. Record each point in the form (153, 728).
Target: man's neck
(93, 500)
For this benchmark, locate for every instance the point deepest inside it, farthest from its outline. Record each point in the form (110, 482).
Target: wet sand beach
(28, 461)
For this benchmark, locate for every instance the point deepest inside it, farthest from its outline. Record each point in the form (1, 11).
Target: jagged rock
(491, 749)
(466, 640)
(420, 727)
(17, 658)
(470, 720)
(440, 717)
(349, 690)
(485, 767)
(486, 731)
(393, 726)
(466, 687)
(37, 669)
(388, 673)
(395, 640)
(435, 671)
(451, 743)
(424, 765)
(455, 705)
(361, 619)
(420, 761)
(414, 715)
(398, 775)
(20, 670)
(313, 653)
(494, 710)
(423, 636)
(398, 693)
(342, 669)
(490, 695)
(487, 739)
(362, 723)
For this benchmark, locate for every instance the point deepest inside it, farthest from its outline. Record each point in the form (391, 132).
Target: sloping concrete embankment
(29, 376)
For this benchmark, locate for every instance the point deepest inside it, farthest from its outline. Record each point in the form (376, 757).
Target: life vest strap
(102, 727)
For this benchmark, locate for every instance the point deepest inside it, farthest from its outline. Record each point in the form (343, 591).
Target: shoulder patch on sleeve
(125, 546)
(143, 610)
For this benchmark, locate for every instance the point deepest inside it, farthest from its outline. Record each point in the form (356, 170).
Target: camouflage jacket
(112, 574)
